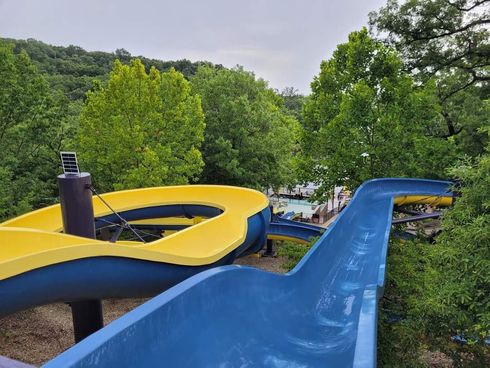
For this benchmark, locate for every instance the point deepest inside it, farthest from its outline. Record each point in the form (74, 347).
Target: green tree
(293, 102)
(365, 118)
(434, 35)
(249, 138)
(446, 40)
(143, 129)
(33, 125)
(72, 69)
(442, 289)
(457, 299)
(401, 332)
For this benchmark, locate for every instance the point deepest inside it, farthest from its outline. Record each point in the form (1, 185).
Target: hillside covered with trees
(136, 122)
(72, 69)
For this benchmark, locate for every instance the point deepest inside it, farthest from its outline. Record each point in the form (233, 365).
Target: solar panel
(69, 163)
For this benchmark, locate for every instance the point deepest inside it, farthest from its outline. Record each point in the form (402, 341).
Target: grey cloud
(281, 41)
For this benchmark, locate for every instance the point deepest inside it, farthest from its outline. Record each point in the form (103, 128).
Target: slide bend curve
(40, 265)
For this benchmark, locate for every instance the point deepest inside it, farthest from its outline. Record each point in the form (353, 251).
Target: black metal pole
(78, 219)
(269, 250)
(422, 216)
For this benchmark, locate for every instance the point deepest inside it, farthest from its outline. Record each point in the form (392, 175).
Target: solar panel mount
(70, 163)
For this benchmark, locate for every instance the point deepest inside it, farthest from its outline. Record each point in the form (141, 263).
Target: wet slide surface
(321, 314)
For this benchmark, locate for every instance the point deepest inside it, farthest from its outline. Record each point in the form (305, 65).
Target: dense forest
(72, 69)
(406, 96)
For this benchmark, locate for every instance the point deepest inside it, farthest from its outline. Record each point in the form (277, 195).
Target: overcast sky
(282, 41)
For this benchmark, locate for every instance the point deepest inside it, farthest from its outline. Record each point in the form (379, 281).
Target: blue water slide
(281, 220)
(289, 229)
(288, 215)
(321, 314)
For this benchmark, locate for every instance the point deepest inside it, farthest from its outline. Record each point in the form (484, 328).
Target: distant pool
(301, 202)
(300, 206)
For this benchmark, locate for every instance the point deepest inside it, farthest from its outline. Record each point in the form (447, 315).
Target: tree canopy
(249, 138)
(32, 120)
(442, 289)
(458, 299)
(365, 118)
(293, 102)
(447, 41)
(72, 69)
(142, 129)
(436, 35)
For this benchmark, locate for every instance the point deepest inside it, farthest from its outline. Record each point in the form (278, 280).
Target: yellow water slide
(34, 240)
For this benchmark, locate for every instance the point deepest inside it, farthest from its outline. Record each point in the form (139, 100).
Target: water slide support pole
(78, 219)
(269, 250)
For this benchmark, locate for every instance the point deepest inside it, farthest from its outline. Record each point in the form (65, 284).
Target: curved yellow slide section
(442, 201)
(33, 240)
(286, 238)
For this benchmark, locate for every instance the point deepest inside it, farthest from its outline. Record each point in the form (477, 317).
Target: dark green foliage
(366, 118)
(293, 102)
(447, 41)
(443, 289)
(72, 69)
(437, 35)
(400, 327)
(458, 296)
(470, 110)
(33, 125)
(249, 137)
(293, 252)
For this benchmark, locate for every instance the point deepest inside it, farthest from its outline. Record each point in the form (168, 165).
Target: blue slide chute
(282, 229)
(321, 314)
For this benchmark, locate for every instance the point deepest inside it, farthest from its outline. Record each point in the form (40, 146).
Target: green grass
(293, 252)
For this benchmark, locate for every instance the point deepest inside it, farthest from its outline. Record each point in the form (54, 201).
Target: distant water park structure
(296, 203)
